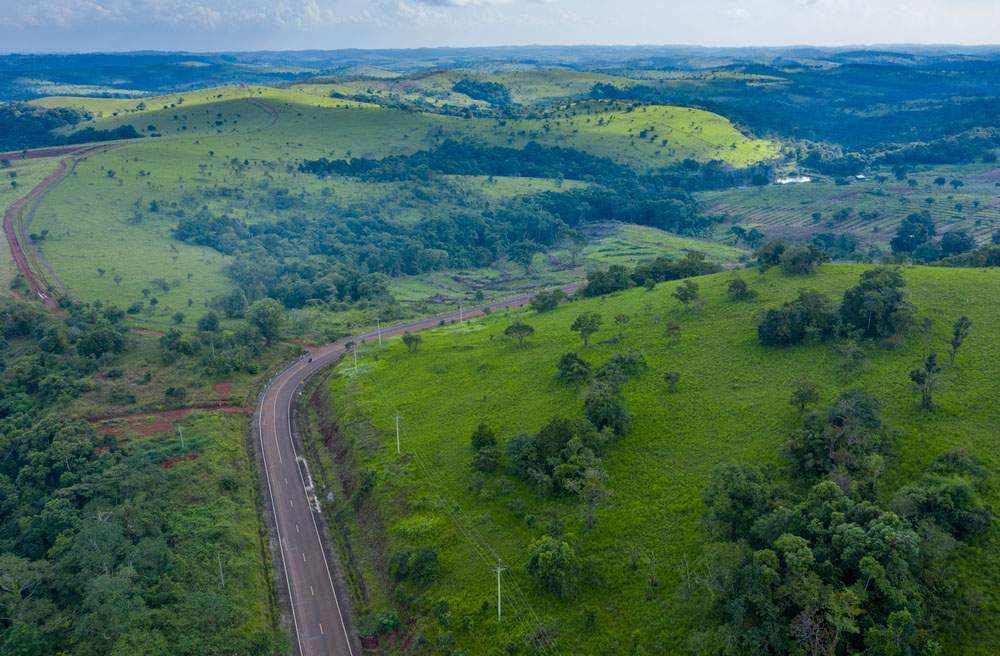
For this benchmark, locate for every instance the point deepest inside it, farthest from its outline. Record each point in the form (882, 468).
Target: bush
(739, 290)
(605, 408)
(810, 314)
(843, 438)
(522, 454)
(555, 565)
(547, 301)
(420, 565)
(486, 459)
(801, 260)
(620, 367)
(877, 306)
(573, 369)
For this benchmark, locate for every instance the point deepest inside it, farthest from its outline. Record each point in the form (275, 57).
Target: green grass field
(24, 174)
(787, 211)
(731, 406)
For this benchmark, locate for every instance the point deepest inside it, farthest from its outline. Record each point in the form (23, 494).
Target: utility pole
(499, 570)
(378, 322)
(180, 431)
(355, 351)
(397, 434)
(222, 577)
(459, 313)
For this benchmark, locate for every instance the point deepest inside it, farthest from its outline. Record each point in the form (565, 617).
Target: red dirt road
(36, 283)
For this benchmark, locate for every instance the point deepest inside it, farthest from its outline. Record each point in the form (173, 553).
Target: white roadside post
(397, 435)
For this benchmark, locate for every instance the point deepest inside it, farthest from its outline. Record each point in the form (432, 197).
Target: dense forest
(91, 561)
(279, 259)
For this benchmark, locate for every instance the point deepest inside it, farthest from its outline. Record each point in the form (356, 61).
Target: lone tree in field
(925, 381)
(686, 293)
(520, 331)
(586, 324)
(739, 290)
(671, 378)
(411, 341)
(804, 394)
(959, 332)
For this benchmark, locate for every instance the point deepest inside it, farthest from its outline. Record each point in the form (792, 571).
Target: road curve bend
(320, 615)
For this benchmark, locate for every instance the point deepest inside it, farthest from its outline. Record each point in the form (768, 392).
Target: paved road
(319, 609)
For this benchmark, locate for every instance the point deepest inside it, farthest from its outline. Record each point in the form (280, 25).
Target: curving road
(320, 616)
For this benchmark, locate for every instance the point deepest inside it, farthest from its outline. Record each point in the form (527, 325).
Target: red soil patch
(308, 346)
(222, 390)
(170, 462)
(164, 421)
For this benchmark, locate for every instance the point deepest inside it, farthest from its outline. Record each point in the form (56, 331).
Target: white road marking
(297, 529)
(312, 591)
(321, 631)
(303, 556)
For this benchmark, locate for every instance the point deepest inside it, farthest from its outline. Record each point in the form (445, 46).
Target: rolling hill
(731, 405)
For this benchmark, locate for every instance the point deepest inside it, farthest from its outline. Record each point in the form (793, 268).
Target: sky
(212, 25)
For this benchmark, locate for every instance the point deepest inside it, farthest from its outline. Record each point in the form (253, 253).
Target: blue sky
(206, 25)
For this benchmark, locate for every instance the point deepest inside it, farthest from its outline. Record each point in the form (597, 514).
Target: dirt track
(36, 282)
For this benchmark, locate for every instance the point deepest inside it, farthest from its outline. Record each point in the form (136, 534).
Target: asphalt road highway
(320, 614)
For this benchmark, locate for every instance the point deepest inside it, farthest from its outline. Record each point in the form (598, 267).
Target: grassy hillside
(235, 151)
(647, 137)
(611, 243)
(731, 405)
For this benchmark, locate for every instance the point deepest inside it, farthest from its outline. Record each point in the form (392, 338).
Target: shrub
(620, 367)
(486, 459)
(421, 565)
(547, 301)
(844, 437)
(605, 408)
(877, 306)
(739, 290)
(810, 314)
(555, 565)
(521, 453)
(483, 437)
(573, 369)
(801, 260)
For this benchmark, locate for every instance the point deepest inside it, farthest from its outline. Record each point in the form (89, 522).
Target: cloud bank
(53, 25)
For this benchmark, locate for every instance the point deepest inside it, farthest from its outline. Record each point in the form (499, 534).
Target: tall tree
(925, 380)
(586, 324)
(959, 331)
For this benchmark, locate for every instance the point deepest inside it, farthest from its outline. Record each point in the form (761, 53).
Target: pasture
(731, 405)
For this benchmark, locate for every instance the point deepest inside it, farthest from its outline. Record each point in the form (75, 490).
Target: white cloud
(275, 24)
